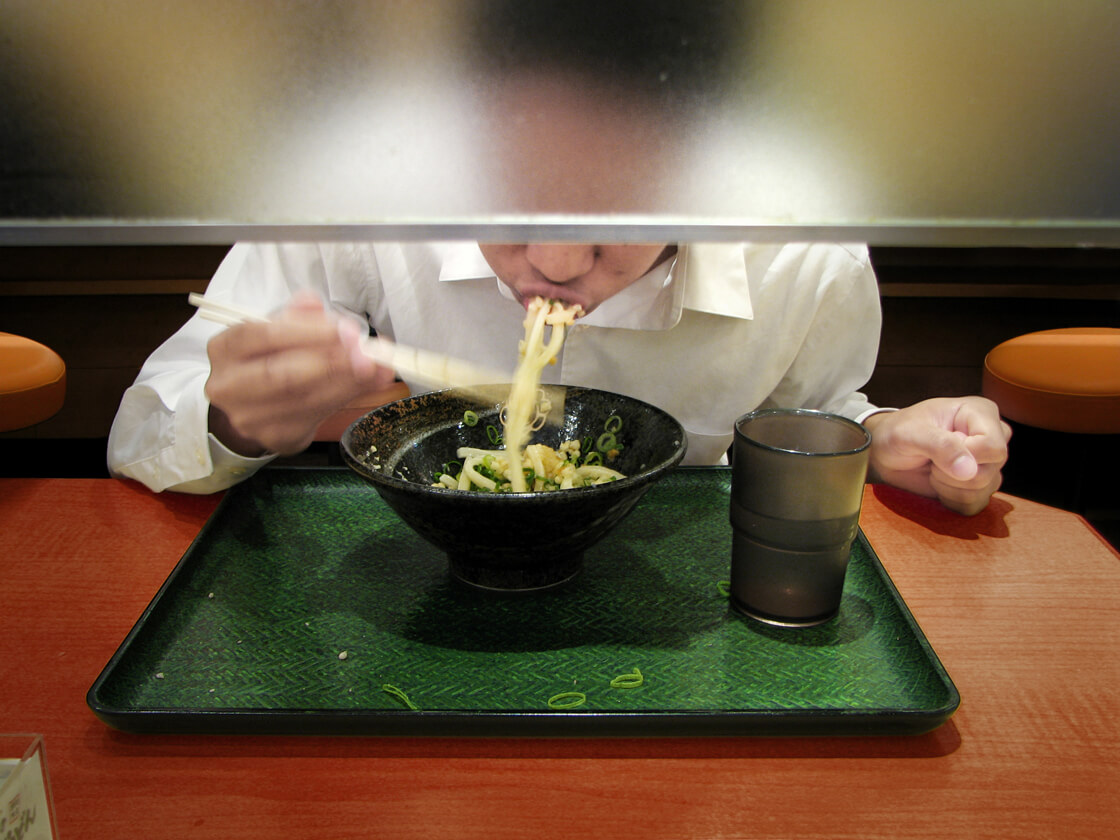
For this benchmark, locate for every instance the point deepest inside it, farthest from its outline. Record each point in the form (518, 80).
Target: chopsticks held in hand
(435, 370)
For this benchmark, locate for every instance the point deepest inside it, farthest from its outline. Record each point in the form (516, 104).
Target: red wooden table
(1021, 603)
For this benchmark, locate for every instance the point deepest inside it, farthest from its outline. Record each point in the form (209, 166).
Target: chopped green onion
(494, 435)
(631, 680)
(567, 700)
(592, 459)
(470, 418)
(613, 424)
(400, 695)
(606, 442)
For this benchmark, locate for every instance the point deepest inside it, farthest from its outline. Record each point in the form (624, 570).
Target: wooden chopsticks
(435, 370)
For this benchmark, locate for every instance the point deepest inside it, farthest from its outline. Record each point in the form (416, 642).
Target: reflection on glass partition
(898, 122)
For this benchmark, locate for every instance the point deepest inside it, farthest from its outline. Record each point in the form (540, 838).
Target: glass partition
(988, 122)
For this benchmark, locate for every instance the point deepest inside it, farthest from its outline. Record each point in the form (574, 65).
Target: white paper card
(25, 805)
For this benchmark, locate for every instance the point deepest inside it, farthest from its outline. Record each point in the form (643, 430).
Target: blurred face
(576, 274)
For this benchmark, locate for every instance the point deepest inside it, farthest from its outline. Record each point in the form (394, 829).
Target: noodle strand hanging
(521, 466)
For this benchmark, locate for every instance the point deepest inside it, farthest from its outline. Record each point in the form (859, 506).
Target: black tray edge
(797, 723)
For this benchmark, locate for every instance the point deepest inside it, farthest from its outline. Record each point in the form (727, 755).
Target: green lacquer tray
(297, 566)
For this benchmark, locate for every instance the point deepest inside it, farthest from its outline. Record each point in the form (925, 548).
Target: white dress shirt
(720, 330)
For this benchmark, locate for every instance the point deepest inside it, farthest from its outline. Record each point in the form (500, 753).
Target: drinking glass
(797, 479)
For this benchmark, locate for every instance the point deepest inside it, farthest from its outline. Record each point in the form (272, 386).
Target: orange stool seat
(1065, 380)
(32, 382)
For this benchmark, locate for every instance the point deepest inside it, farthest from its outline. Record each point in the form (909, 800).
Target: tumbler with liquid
(796, 488)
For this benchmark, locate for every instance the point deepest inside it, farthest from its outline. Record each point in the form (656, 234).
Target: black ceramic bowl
(508, 541)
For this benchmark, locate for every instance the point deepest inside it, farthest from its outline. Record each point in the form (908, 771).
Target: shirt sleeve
(840, 340)
(160, 435)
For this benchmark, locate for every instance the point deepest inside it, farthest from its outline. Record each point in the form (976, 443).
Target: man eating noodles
(706, 332)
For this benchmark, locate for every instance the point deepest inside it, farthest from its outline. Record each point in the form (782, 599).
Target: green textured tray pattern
(297, 566)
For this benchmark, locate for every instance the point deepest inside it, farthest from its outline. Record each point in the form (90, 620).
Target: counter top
(1021, 604)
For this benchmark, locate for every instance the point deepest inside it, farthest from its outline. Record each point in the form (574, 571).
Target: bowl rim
(629, 482)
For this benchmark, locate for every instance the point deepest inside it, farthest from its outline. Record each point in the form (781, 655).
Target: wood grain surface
(1021, 603)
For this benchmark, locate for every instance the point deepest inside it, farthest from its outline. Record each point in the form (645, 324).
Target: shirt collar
(656, 300)
(724, 289)
(464, 261)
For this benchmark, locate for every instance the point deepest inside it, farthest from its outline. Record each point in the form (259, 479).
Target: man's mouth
(553, 292)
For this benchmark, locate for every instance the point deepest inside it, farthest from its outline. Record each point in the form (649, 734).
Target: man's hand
(271, 384)
(948, 448)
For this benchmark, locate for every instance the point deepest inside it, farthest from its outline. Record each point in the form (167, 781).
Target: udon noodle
(522, 467)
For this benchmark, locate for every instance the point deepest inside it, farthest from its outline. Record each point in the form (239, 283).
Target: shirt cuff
(228, 464)
(863, 415)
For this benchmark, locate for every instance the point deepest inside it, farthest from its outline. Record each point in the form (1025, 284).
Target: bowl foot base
(535, 578)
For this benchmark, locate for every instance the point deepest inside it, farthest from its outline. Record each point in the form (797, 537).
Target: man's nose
(561, 263)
